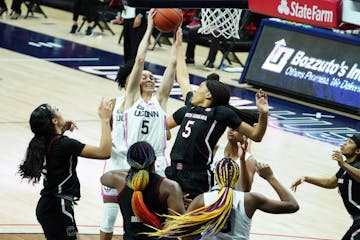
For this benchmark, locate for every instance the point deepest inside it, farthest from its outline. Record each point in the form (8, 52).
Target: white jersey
(146, 121)
(239, 226)
(119, 150)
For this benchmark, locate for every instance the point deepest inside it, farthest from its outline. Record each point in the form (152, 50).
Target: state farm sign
(323, 13)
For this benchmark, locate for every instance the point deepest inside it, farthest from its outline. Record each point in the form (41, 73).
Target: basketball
(167, 19)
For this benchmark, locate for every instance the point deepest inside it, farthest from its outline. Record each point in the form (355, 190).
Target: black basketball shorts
(56, 216)
(192, 181)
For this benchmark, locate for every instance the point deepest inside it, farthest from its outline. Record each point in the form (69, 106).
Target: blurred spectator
(91, 14)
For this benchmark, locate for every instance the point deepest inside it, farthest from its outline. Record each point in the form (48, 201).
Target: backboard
(243, 4)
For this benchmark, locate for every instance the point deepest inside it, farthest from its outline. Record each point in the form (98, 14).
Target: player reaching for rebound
(144, 109)
(138, 117)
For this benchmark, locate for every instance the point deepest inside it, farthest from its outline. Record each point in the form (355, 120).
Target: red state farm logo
(312, 13)
(283, 8)
(324, 13)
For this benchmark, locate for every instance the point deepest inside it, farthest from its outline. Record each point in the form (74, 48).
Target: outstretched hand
(178, 36)
(105, 109)
(242, 148)
(262, 101)
(264, 170)
(69, 125)
(297, 183)
(337, 156)
(150, 19)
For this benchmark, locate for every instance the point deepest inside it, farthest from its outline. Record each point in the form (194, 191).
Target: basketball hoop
(220, 22)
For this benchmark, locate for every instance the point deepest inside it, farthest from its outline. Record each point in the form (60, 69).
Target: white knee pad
(111, 211)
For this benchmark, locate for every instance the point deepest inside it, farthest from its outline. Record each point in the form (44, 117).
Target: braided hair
(43, 128)
(141, 157)
(207, 220)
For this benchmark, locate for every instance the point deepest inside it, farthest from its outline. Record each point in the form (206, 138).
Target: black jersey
(59, 170)
(153, 201)
(199, 132)
(349, 190)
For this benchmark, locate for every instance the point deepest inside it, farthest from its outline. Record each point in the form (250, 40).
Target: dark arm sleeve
(228, 117)
(179, 114)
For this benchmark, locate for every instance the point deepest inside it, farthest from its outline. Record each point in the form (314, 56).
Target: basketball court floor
(40, 62)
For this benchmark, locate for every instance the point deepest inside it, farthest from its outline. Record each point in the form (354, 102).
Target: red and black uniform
(191, 155)
(153, 201)
(349, 190)
(54, 210)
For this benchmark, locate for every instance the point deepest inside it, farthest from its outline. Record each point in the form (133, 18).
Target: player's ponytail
(43, 128)
(123, 73)
(247, 115)
(208, 220)
(141, 157)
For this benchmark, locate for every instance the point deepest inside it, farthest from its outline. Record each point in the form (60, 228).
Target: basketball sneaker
(73, 29)
(209, 66)
(89, 31)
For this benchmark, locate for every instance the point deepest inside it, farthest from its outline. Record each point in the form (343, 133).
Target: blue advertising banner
(310, 62)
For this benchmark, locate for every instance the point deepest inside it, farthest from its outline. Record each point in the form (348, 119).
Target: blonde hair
(207, 220)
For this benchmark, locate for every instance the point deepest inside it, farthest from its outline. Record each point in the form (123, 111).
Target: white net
(220, 22)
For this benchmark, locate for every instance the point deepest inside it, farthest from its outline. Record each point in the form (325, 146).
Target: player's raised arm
(169, 77)
(257, 133)
(132, 90)
(182, 73)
